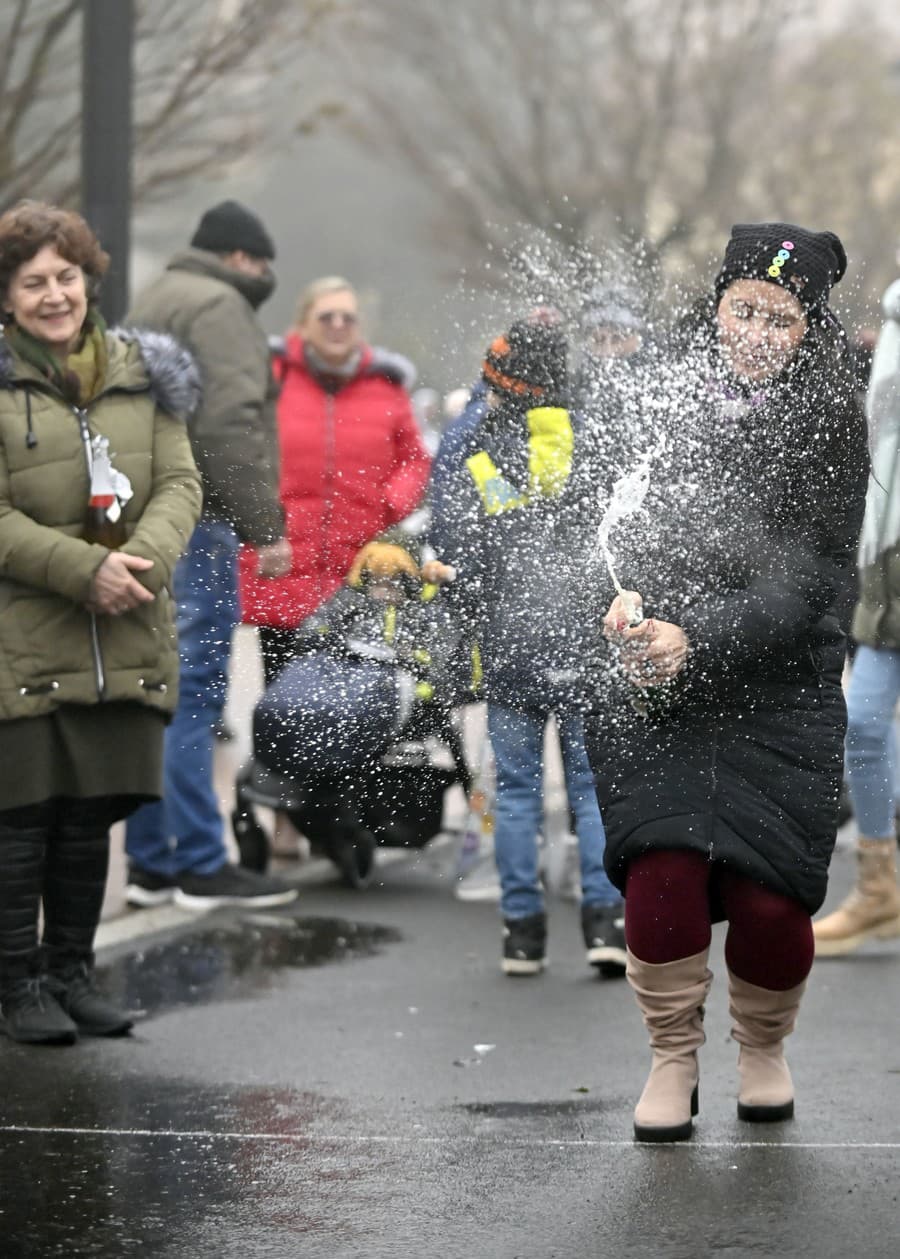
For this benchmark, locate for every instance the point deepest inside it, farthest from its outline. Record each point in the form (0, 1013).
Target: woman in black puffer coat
(720, 801)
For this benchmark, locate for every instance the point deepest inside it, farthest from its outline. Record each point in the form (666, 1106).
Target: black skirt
(83, 751)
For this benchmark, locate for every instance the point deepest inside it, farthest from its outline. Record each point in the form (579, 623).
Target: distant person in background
(426, 404)
(353, 462)
(207, 298)
(872, 910)
(454, 403)
(863, 352)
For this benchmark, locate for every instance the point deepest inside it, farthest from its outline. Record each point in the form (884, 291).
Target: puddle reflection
(236, 958)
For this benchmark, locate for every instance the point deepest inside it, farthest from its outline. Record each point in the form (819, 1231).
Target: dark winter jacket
(211, 309)
(527, 583)
(54, 651)
(745, 540)
(876, 622)
(352, 464)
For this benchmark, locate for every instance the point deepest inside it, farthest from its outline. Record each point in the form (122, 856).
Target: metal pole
(106, 90)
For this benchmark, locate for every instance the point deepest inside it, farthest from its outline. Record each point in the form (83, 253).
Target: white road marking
(339, 1138)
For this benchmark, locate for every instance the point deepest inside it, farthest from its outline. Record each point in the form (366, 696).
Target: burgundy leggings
(667, 917)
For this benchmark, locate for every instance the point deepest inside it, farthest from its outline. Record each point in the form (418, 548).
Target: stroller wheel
(252, 840)
(354, 856)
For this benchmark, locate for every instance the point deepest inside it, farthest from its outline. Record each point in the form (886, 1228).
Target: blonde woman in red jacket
(352, 461)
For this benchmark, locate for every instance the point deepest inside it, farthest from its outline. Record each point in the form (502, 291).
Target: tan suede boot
(762, 1019)
(871, 911)
(670, 997)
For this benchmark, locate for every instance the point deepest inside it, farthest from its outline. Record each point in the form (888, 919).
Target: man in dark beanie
(514, 511)
(207, 299)
(229, 226)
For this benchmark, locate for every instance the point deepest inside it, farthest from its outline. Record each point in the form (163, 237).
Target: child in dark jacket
(514, 509)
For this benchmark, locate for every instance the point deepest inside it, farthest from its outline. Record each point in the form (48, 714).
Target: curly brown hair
(30, 225)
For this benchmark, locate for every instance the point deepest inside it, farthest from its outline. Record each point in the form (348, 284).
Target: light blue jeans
(871, 750)
(517, 739)
(184, 832)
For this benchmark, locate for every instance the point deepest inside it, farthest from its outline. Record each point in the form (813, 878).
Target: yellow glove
(380, 561)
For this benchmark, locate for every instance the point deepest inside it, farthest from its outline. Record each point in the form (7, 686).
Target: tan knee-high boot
(670, 997)
(762, 1019)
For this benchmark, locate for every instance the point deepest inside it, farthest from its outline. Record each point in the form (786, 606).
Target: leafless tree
(201, 70)
(619, 120)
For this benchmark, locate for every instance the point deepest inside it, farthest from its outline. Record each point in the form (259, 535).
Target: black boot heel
(765, 1114)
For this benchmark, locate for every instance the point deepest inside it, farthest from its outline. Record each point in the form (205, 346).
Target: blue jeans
(871, 742)
(184, 832)
(517, 739)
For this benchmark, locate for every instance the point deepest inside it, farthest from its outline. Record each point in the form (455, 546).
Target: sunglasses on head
(337, 316)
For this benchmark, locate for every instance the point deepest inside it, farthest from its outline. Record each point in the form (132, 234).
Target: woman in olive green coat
(88, 656)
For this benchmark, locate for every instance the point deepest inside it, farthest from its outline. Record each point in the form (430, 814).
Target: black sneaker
(32, 1015)
(604, 938)
(146, 889)
(92, 1013)
(524, 945)
(232, 885)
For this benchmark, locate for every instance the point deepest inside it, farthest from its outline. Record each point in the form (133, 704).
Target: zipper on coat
(715, 791)
(328, 505)
(99, 673)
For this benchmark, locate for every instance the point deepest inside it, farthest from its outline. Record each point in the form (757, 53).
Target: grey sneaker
(232, 885)
(604, 938)
(480, 883)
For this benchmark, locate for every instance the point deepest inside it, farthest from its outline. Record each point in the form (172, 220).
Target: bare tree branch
(201, 74)
(605, 120)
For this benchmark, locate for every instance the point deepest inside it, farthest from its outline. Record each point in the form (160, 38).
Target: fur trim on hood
(174, 379)
(175, 384)
(396, 368)
(5, 364)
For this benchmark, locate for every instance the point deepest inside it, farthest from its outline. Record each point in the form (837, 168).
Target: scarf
(79, 377)
(332, 378)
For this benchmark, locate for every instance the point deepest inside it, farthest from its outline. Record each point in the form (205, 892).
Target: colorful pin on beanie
(805, 263)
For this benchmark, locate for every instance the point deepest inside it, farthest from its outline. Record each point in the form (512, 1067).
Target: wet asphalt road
(306, 1082)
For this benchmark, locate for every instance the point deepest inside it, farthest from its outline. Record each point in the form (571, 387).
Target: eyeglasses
(337, 316)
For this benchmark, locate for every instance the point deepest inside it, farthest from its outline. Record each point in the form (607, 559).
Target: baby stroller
(355, 739)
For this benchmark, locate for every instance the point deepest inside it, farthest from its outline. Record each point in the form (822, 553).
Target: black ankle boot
(74, 987)
(33, 1016)
(74, 883)
(30, 1013)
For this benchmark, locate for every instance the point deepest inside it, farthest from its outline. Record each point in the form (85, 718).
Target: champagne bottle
(103, 522)
(653, 702)
(650, 702)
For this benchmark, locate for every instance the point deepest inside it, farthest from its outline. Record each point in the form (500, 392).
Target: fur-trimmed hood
(374, 361)
(174, 378)
(170, 369)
